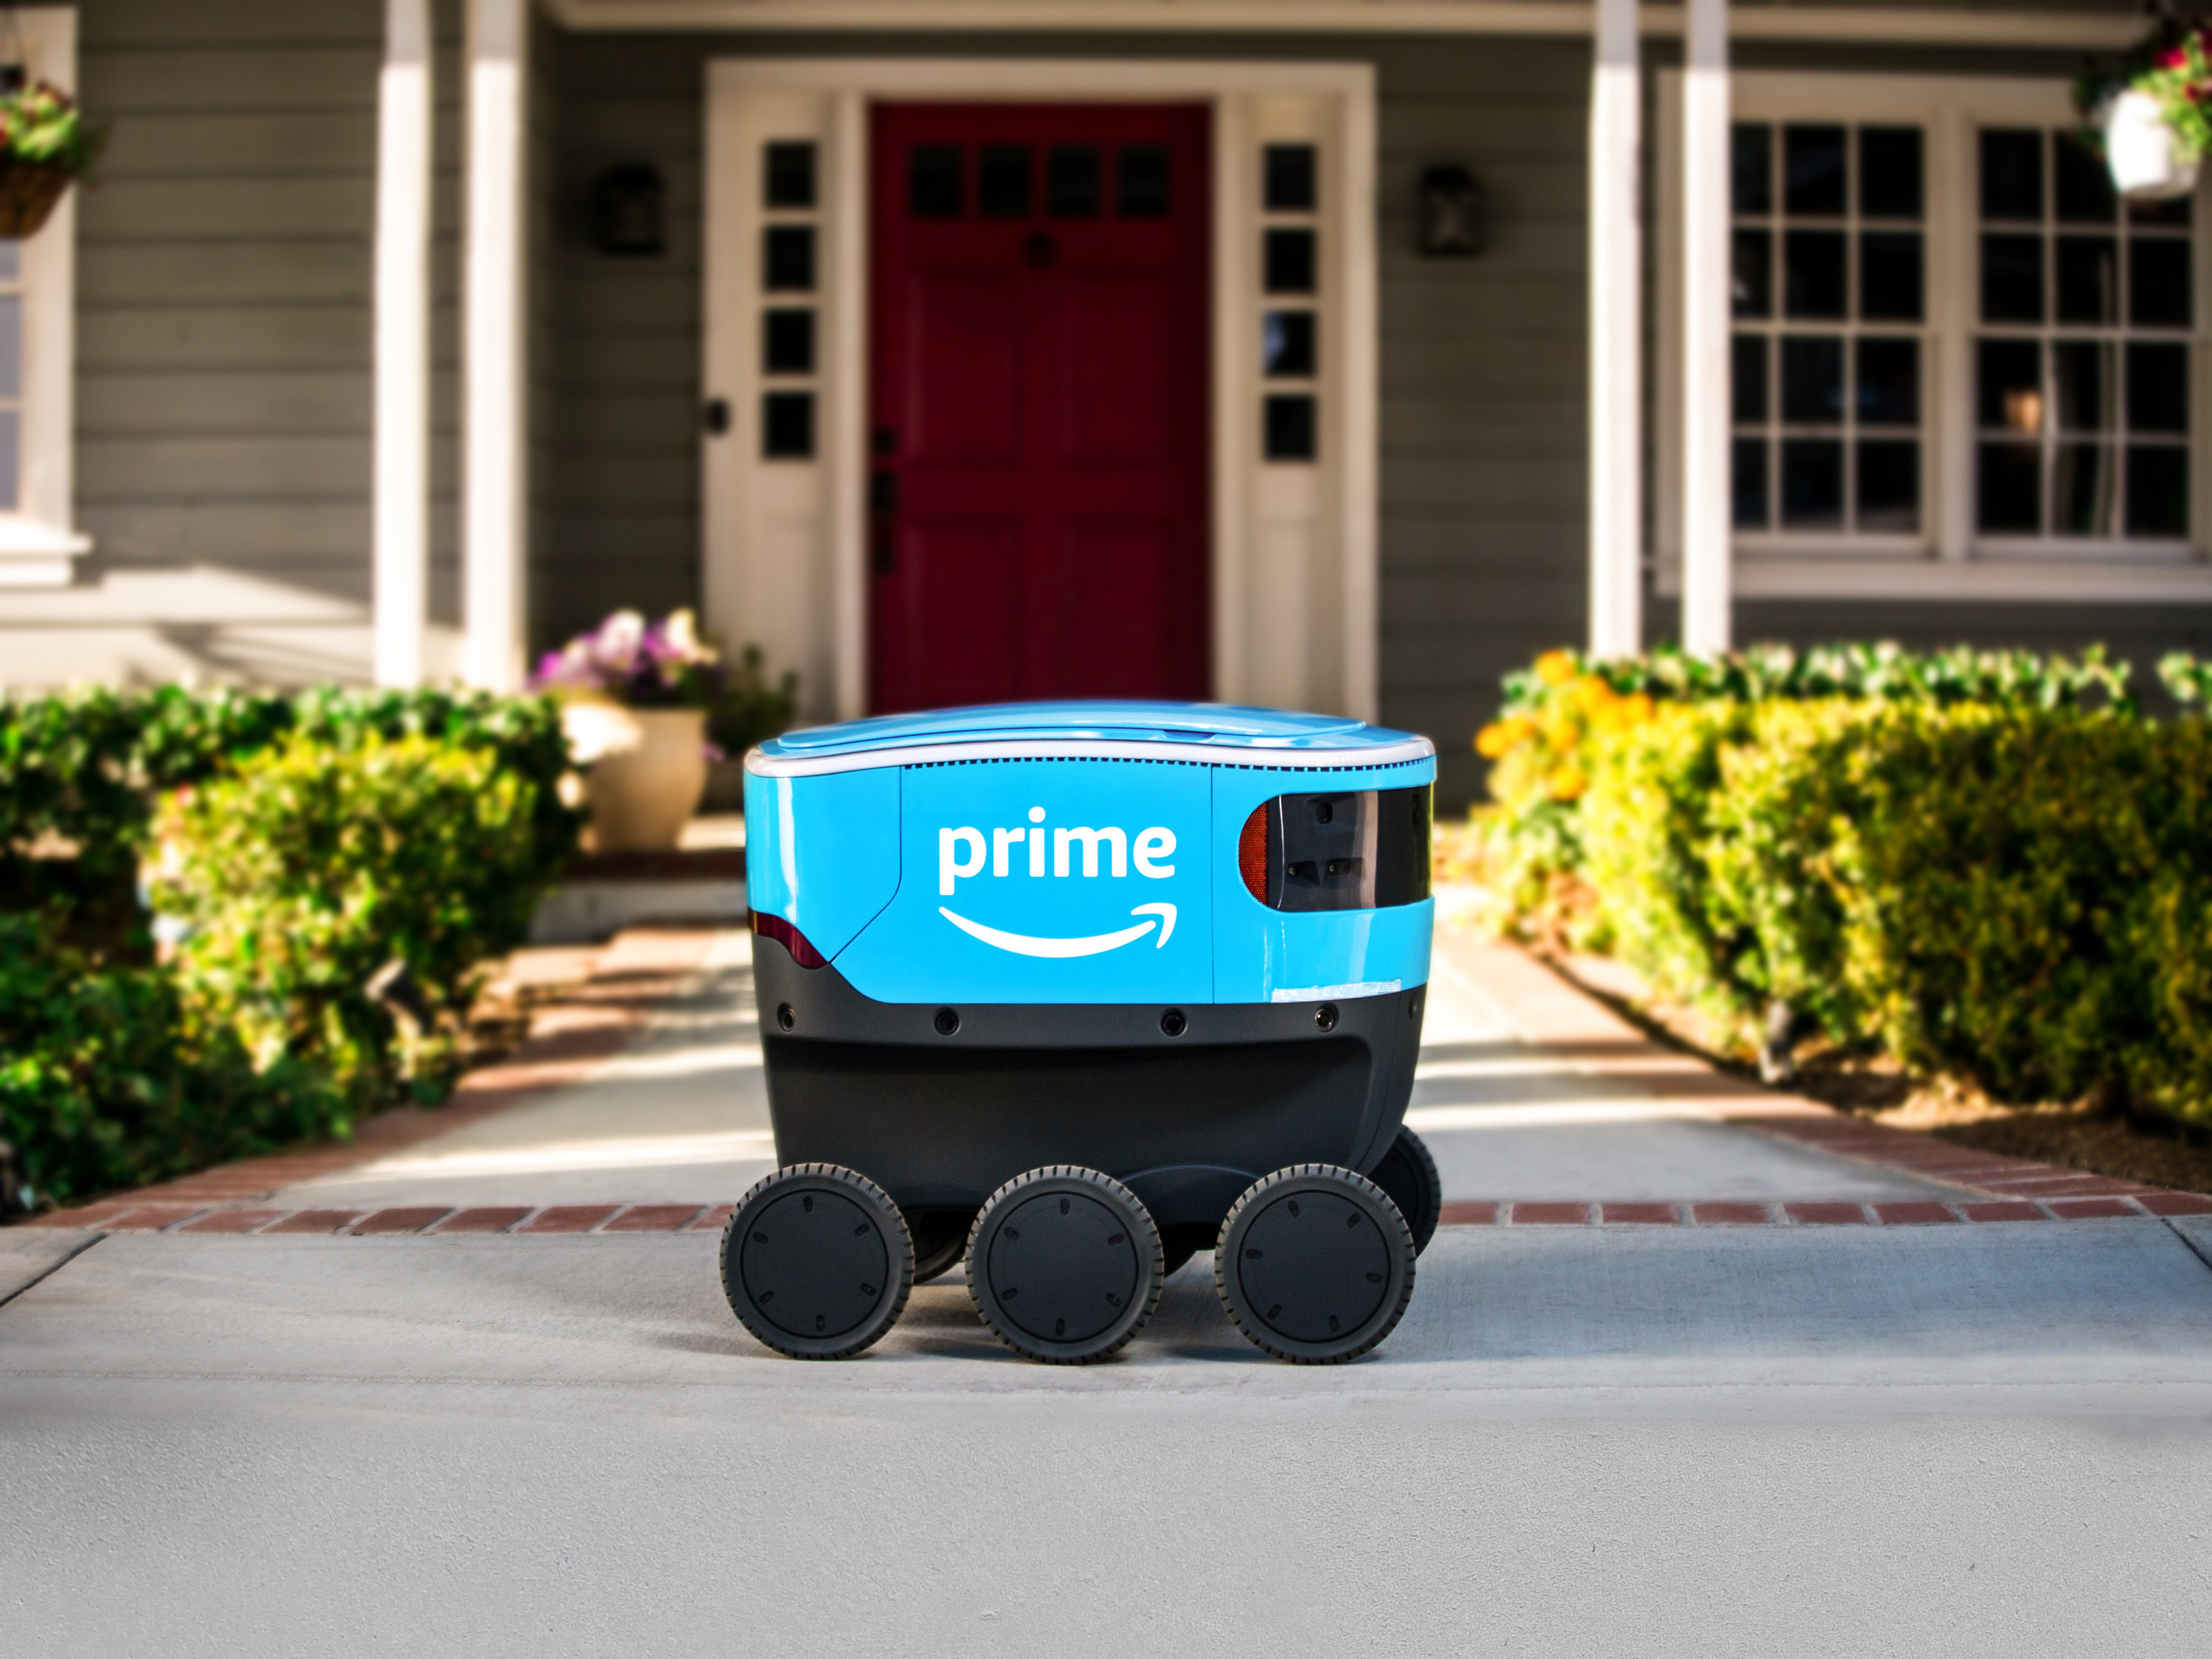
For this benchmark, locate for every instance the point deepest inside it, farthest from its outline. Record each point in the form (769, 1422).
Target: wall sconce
(626, 216)
(1452, 213)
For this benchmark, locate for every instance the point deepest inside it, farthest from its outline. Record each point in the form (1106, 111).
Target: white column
(1705, 573)
(1616, 339)
(495, 520)
(402, 488)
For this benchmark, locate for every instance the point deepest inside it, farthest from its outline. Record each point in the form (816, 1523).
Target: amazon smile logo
(1018, 850)
(1094, 944)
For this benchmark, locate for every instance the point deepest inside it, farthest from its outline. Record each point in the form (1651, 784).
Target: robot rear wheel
(816, 1262)
(1315, 1265)
(940, 1239)
(1408, 1173)
(1065, 1265)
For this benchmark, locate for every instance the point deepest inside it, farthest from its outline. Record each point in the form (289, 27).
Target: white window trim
(784, 544)
(40, 541)
(1947, 561)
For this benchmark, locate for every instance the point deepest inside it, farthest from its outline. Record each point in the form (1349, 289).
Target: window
(788, 277)
(1289, 278)
(1951, 345)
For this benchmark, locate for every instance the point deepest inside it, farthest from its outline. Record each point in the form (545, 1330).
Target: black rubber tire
(1315, 1265)
(1064, 1247)
(1409, 1174)
(830, 1246)
(940, 1240)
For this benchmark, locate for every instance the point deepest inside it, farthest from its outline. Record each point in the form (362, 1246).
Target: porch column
(493, 505)
(401, 491)
(1706, 572)
(1616, 339)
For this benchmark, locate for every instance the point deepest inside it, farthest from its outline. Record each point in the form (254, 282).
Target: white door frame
(1293, 547)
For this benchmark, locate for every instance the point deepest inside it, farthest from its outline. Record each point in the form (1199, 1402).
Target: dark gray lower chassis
(1186, 1122)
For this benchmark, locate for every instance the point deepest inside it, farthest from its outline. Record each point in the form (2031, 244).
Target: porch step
(702, 880)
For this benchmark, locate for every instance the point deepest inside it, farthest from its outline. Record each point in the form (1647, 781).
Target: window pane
(1749, 396)
(1002, 181)
(1889, 276)
(1750, 168)
(1286, 342)
(1812, 171)
(2009, 486)
(2157, 491)
(1889, 382)
(1888, 485)
(1140, 190)
(932, 181)
(1290, 262)
(2084, 184)
(1071, 181)
(788, 258)
(2008, 386)
(2012, 173)
(1812, 273)
(2174, 212)
(1813, 380)
(1753, 284)
(2158, 388)
(2081, 375)
(1811, 483)
(2089, 279)
(787, 426)
(787, 342)
(1747, 483)
(1289, 184)
(789, 180)
(2158, 282)
(1890, 173)
(1290, 426)
(2081, 491)
(2012, 279)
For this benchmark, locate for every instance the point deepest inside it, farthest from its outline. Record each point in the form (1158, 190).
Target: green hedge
(1995, 867)
(307, 840)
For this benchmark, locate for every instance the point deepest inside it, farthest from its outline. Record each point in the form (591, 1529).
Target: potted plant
(46, 145)
(2149, 117)
(636, 696)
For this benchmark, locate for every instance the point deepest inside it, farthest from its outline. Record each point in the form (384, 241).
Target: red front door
(1038, 418)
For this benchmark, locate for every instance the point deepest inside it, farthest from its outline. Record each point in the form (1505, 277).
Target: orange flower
(1556, 667)
(1568, 783)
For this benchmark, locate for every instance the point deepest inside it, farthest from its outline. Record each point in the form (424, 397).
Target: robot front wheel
(816, 1262)
(1316, 1264)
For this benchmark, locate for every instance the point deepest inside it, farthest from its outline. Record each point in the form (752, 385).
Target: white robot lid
(1212, 734)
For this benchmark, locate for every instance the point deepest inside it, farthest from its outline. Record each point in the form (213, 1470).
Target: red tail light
(790, 938)
(1252, 860)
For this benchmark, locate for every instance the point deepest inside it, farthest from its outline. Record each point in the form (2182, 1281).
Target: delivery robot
(1074, 990)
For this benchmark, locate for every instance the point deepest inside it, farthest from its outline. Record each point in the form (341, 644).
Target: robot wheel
(1315, 1265)
(816, 1262)
(1065, 1265)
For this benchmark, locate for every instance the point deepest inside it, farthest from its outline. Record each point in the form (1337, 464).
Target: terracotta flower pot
(647, 768)
(2142, 152)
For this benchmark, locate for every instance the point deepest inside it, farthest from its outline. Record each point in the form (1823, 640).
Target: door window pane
(788, 259)
(1140, 181)
(1812, 485)
(1889, 276)
(1288, 174)
(787, 426)
(1813, 171)
(1287, 343)
(932, 181)
(2081, 379)
(1070, 187)
(1813, 280)
(1289, 261)
(2089, 279)
(1888, 485)
(2012, 173)
(1889, 381)
(1751, 169)
(2008, 489)
(788, 170)
(1002, 181)
(2008, 386)
(2084, 185)
(1289, 427)
(2081, 491)
(1749, 381)
(787, 342)
(1890, 173)
(1747, 483)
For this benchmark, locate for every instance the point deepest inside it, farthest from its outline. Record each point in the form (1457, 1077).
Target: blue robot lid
(1217, 733)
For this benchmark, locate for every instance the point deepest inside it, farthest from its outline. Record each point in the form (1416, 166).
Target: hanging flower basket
(29, 192)
(2151, 117)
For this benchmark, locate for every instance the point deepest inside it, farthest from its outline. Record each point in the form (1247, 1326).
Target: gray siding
(223, 273)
